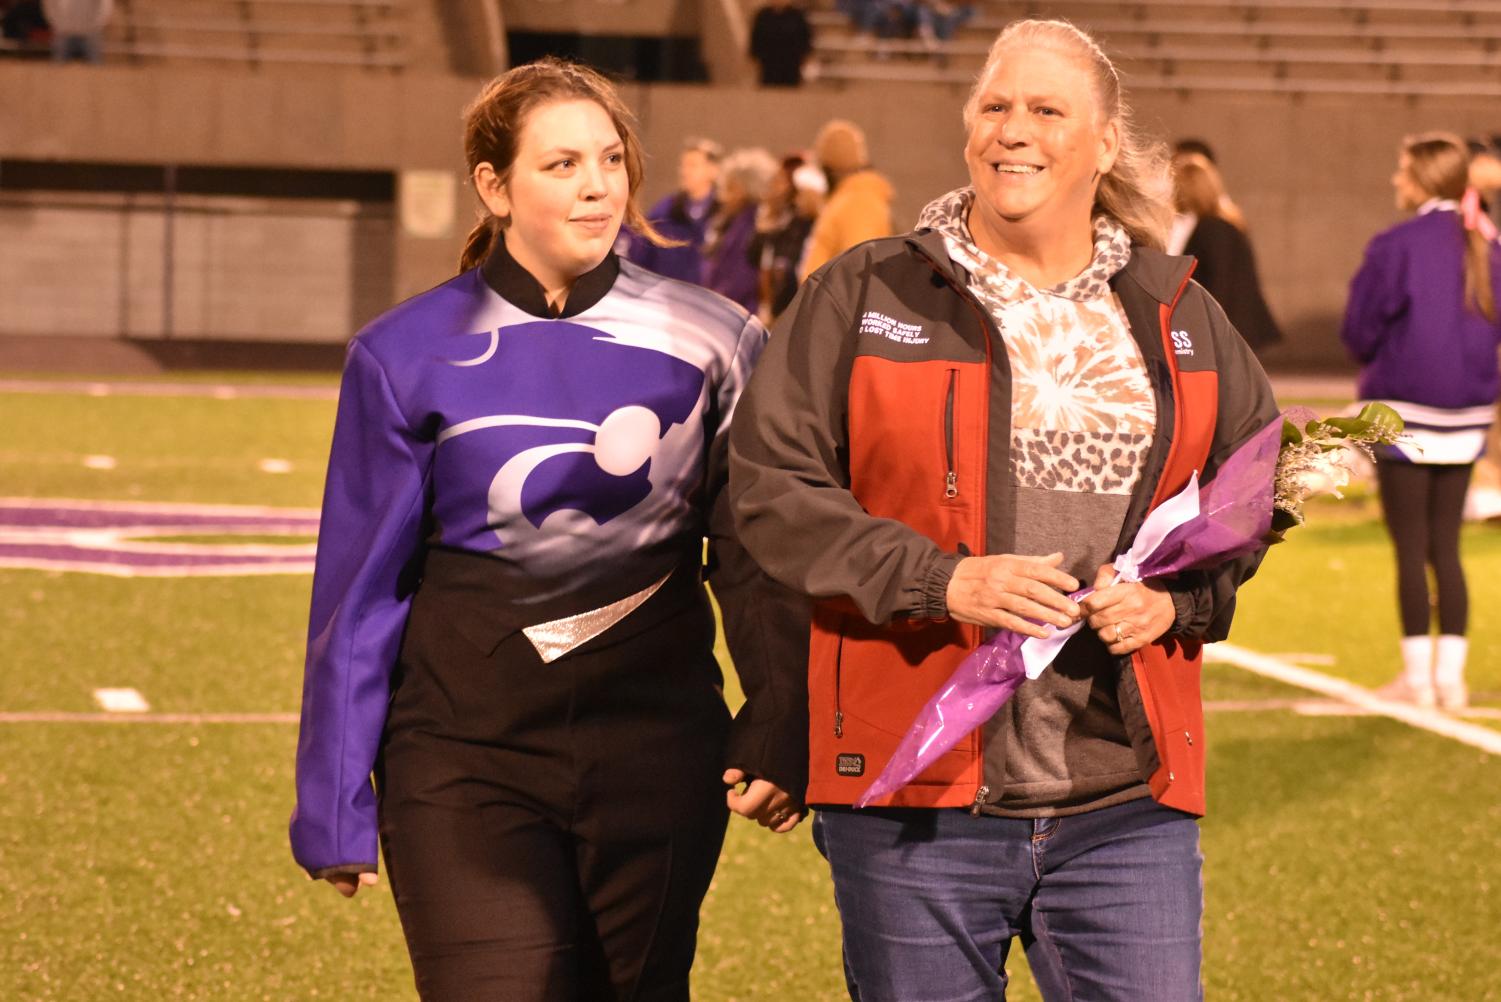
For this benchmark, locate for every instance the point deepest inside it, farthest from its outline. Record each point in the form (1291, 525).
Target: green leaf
(1290, 434)
(1348, 427)
(1383, 418)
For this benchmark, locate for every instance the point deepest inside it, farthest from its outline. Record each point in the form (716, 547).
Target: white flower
(1326, 472)
(1312, 467)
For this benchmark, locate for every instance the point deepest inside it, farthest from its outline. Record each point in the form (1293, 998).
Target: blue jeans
(1108, 904)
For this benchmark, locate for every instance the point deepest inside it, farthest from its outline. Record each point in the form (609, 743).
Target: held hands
(1013, 593)
(1130, 615)
(348, 884)
(762, 801)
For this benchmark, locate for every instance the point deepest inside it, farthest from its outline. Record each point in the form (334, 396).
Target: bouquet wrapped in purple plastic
(1255, 496)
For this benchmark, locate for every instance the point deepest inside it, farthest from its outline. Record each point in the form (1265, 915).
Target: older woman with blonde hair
(949, 432)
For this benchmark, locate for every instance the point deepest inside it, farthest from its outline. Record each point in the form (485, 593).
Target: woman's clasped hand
(1021, 594)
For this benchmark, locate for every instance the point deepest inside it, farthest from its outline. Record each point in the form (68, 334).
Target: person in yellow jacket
(859, 205)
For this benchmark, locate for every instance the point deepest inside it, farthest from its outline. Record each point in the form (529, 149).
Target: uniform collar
(1438, 205)
(515, 284)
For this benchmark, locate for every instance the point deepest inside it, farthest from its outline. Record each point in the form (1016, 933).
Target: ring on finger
(1120, 635)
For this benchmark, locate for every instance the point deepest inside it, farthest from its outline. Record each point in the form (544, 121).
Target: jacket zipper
(987, 324)
(951, 477)
(838, 680)
(980, 796)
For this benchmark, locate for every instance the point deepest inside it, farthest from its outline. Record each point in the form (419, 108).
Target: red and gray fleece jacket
(870, 456)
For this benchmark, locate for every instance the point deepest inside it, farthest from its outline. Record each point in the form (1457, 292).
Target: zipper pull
(838, 723)
(951, 485)
(980, 796)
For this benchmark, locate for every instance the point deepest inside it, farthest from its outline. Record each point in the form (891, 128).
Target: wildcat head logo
(585, 416)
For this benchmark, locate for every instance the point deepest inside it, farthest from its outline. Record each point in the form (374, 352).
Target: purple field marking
(127, 522)
(96, 537)
(154, 507)
(226, 569)
(219, 391)
(208, 556)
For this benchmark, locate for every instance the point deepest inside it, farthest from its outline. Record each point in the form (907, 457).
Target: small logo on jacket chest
(850, 765)
(891, 328)
(1182, 344)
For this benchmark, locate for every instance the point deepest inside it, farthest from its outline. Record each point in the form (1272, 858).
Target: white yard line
(1432, 721)
(1326, 660)
(1324, 708)
(1250, 705)
(48, 717)
(121, 701)
(1342, 692)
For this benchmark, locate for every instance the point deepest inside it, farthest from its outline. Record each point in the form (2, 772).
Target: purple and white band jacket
(583, 451)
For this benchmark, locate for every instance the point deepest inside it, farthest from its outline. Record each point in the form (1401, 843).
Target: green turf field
(1348, 857)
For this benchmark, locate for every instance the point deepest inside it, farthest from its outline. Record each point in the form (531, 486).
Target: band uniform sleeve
(369, 543)
(789, 473)
(766, 624)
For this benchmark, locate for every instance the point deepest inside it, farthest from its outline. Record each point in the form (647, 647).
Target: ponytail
(478, 244)
(1480, 294)
(1439, 164)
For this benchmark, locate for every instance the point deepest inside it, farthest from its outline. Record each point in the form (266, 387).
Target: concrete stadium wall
(1312, 174)
(244, 269)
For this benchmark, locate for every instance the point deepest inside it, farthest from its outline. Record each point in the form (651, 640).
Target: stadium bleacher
(371, 34)
(1432, 48)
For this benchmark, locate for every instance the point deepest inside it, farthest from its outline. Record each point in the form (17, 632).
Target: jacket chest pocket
(915, 435)
(950, 436)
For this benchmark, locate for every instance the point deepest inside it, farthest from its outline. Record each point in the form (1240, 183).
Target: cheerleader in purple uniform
(509, 629)
(1422, 322)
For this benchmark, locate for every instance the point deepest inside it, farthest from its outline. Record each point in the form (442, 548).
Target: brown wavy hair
(1439, 163)
(1137, 192)
(493, 122)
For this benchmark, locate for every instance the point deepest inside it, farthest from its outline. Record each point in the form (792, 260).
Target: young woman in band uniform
(508, 627)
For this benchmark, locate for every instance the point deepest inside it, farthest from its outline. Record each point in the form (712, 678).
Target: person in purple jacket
(1422, 321)
(509, 628)
(682, 217)
(729, 267)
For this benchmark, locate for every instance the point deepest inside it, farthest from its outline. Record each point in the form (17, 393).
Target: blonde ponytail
(1439, 164)
(1480, 294)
